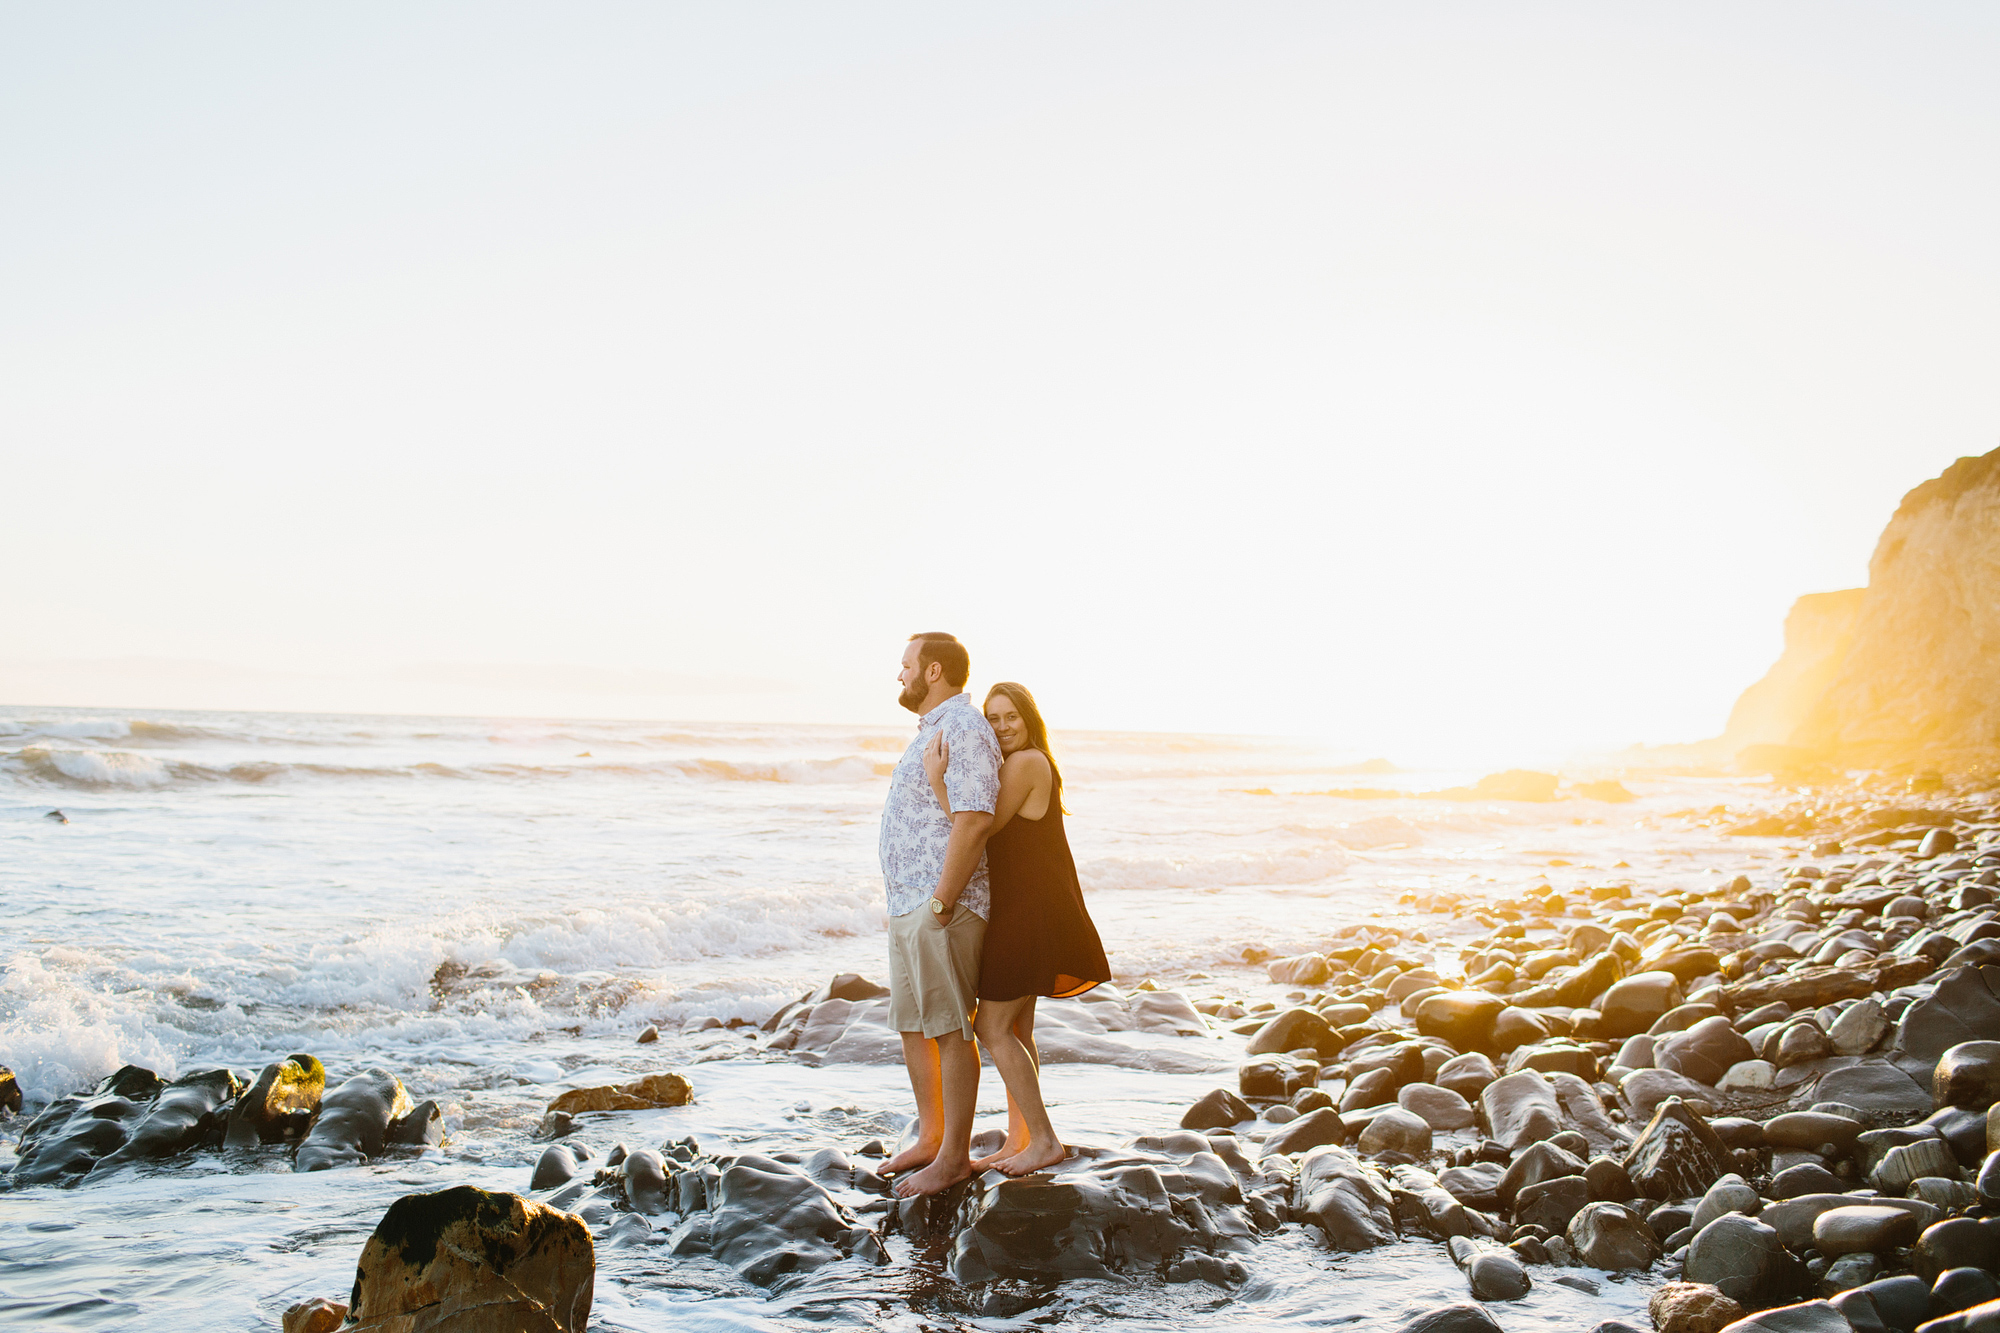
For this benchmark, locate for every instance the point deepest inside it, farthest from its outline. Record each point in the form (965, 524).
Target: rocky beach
(1664, 1046)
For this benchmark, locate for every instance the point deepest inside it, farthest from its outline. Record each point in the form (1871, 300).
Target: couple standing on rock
(985, 914)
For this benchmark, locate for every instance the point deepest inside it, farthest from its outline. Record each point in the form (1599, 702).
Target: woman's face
(1007, 723)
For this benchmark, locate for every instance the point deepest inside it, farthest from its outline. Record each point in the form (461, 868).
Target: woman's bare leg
(995, 1016)
(1014, 1055)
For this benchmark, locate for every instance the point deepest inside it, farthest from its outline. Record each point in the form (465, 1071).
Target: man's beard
(913, 697)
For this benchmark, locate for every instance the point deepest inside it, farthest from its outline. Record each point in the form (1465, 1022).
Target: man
(934, 867)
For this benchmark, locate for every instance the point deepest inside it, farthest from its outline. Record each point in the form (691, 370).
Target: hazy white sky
(1414, 375)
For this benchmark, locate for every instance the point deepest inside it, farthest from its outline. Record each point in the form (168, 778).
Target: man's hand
(961, 857)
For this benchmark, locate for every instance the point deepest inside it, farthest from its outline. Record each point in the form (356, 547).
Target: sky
(1430, 379)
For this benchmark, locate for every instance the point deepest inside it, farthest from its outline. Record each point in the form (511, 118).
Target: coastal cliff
(1906, 670)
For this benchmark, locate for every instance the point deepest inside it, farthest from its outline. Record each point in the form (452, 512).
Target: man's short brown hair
(947, 652)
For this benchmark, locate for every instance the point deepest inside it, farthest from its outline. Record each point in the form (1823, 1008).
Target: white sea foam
(90, 768)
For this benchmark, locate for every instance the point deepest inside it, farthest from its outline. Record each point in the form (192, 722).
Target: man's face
(915, 688)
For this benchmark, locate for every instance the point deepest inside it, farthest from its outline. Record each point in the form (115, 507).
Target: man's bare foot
(1035, 1157)
(935, 1178)
(923, 1154)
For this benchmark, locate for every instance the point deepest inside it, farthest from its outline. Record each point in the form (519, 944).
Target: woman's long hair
(1038, 730)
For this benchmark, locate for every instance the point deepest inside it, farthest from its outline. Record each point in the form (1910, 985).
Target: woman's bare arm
(1022, 774)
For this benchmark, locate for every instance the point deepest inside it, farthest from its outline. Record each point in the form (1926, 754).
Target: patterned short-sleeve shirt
(915, 828)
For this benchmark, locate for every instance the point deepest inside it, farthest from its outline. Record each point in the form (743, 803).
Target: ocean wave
(109, 769)
(1303, 865)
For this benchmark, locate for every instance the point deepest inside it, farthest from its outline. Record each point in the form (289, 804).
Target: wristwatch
(937, 908)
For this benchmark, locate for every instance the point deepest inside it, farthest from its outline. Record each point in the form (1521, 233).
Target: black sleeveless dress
(1039, 939)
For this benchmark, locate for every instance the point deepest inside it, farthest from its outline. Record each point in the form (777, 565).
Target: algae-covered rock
(280, 1105)
(465, 1261)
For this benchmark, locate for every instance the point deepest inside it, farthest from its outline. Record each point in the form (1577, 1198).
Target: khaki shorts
(934, 970)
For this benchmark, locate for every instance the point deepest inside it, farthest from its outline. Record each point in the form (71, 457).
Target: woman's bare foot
(922, 1154)
(1035, 1157)
(935, 1178)
(1010, 1148)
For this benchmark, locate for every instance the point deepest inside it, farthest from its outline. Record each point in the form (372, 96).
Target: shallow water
(232, 888)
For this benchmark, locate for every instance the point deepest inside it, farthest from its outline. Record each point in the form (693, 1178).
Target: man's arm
(961, 855)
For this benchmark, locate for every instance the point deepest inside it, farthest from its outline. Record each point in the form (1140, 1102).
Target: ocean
(494, 908)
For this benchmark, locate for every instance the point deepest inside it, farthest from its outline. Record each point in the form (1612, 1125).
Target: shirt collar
(936, 715)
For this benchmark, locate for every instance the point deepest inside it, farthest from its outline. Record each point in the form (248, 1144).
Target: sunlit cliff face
(1007, 724)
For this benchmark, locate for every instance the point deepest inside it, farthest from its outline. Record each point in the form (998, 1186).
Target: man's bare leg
(920, 1058)
(958, 1069)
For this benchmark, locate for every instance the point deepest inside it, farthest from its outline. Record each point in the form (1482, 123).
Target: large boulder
(1743, 1259)
(1968, 1075)
(1703, 1052)
(72, 1134)
(1964, 1007)
(769, 1220)
(280, 1105)
(1636, 1003)
(1462, 1017)
(354, 1122)
(1691, 1307)
(188, 1112)
(1677, 1155)
(465, 1261)
(1351, 1207)
(1612, 1236)
(1521, 1109)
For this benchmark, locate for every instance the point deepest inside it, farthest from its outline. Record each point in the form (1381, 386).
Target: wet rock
(1812, 1131)
(1441, 1108)
(1518, 1027)
(1979, 1319)
(1849, 1271)
(10, 1092)
(1960, 1289)
(1968, 1075)
(1396, 1130)
(1461, 1318)
(1873, 1228)
(1552, 1203)
(1645, 1090)
(650, 1035)
(1475, 1185)
(1704, 1052)
(72, 1134)
(1309, 969)
(1611, 1236)
(280, 1105)
(1964, 1007)
(1799, 1043)
(1521, 1109)
(353, 1122)
(1747, 1076)
(1793, 1218)
(317, 1315)
(558, 1166)
(1219, 1108)
(1315, 1130)
(1964, 1129)
(1636, 1003)
(1744, 1259)
(1376, 1087)
(1586, 1116)
(1737, 1132)
(1691, 1307)
(1463, 1017)
(1948, 1196)
(1295, 1029)
(1880, 1090)
(1679, 1019)
(1536, 1163)
(1727, 1195)
(773, 1223)
(187, 1113)
(644, 1094)
(646, 1184)
(1958, 1242)
(1857, 1030)
(1636, 1052)
(1803, 1179)
(1496, 1275)
(462, 1259)
(1275, 1076)
(1677, 1155)
(1467, 1075)
(1900, 1303)
(1352, 1209)
(1907, 1162)
(1806, 1317)
(1608, 1181)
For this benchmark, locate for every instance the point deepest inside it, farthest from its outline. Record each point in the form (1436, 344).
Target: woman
(1039, 939)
